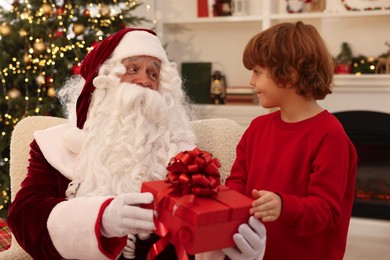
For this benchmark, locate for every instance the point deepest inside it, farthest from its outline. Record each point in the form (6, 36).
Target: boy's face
(268, 92)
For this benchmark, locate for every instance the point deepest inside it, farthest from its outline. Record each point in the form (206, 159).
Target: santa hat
(125, 43)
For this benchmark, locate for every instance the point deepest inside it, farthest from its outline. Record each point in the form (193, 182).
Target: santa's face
(143, 71)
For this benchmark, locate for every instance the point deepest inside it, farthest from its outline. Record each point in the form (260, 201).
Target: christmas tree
(42, 43)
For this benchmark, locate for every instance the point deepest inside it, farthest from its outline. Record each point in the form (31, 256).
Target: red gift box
(198, 224)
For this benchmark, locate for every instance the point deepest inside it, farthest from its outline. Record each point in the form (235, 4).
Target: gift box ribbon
(190, 174)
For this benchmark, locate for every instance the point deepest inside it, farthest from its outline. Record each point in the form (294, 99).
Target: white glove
(249, 240)
(129, 251)
(123, 216)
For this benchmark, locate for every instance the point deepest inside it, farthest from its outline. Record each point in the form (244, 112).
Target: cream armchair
(218, 136)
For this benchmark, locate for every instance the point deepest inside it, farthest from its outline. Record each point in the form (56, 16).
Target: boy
(297, 163)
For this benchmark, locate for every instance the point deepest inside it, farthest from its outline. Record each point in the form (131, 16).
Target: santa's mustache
(123, 98)
(131, 97)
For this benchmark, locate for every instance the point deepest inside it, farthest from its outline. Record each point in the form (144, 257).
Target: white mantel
(368, 92)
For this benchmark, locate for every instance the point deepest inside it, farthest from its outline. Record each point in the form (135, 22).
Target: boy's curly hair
(293, 53)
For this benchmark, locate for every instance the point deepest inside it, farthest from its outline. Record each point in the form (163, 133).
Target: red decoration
(76, 68)
(87, 13)
(58, 34)
(194, 172)
(203, 9)
(49, 80)
(59, 11)
(222, 8)
(343, 68)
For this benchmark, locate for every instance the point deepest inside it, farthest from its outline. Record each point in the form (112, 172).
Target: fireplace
(370, 133)
(362, 106)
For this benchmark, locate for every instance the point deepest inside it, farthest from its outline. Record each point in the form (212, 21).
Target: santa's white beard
(128, 141)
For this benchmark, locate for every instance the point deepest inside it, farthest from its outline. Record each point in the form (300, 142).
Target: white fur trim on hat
(137, 43)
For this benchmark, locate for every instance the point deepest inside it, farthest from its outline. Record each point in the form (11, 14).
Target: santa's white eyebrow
(156, 63)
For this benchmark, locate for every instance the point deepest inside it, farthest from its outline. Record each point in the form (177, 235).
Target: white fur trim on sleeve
(71, 226)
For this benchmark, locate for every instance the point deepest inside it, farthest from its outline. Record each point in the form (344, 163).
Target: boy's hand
(266, 206)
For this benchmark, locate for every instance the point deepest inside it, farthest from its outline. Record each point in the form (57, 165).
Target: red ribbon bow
(194, 172)
(190, 173)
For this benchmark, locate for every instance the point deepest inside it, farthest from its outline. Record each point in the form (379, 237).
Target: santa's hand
(250, 240)
(123, 216)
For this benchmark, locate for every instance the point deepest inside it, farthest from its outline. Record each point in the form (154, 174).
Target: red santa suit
(46, 222)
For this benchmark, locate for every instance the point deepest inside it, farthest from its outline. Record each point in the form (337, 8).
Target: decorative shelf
(279, 16)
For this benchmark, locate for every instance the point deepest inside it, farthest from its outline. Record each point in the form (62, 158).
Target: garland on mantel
(364, 9)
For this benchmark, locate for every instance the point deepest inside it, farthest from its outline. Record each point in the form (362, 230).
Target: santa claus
(127, 118)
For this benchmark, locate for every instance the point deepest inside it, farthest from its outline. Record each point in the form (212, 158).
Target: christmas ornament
(47, 9)
(49, 80)
(105, 10)
(39, 45)
(14, 93)
(87, 13)
(51, 92)
(78, 28)
(59, 11)
(40, 80)
(222, 8)
(26, 58)
(76, 68)
(22, 33)
(58, 34)
(5, 29)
